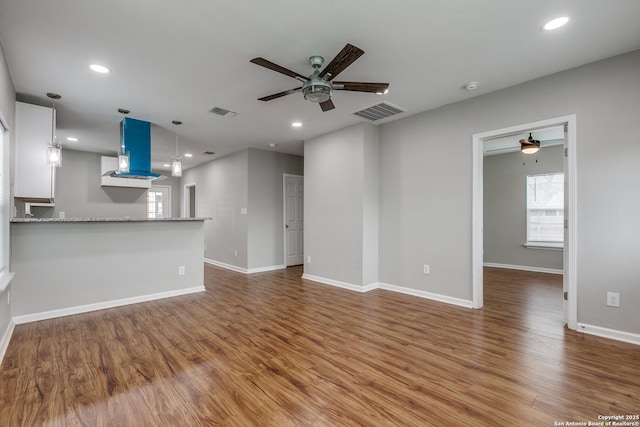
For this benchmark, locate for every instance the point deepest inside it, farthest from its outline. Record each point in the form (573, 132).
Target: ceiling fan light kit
(529, 145)
(319, 87)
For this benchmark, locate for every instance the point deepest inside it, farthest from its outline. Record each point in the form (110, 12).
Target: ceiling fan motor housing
(317, 90)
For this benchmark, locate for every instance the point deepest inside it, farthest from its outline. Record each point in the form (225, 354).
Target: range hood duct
(135, 138)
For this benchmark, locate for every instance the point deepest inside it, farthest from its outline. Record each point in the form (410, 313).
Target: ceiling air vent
(222, 112)
(379, 111)
(210, 153)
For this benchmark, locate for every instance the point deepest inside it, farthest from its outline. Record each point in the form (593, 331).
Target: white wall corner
(427, 295)
(613, 334)
(4, 343)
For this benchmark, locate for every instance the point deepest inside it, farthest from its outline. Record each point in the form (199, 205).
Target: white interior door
(293, 219)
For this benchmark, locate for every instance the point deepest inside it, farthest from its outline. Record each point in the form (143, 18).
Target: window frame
(542, 244)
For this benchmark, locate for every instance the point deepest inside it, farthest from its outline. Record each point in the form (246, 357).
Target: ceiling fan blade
(346, 57)
(327, 105)
(363, 87)
(277, 68)
(280, 94)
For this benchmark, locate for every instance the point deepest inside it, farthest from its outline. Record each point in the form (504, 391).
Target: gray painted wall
(175, 184)
(370, 205)
(80, 195)
(65, 265)
(340, 205)
(505, 207)
(7, 108)
(221, 193)
(250, 179)
(265, 214)
(426, 185)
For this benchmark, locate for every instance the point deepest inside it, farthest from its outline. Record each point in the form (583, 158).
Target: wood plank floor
(272, 349)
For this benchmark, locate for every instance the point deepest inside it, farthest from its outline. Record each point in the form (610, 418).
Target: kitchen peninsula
(72, 265)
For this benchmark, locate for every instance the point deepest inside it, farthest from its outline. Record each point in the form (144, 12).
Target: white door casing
(570, 240)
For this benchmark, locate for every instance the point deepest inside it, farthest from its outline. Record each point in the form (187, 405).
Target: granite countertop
(124, 219)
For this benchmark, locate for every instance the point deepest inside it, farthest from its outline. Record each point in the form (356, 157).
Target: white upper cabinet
(34, 177)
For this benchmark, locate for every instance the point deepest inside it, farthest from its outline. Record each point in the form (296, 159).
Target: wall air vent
(222, 112)
(379, 111)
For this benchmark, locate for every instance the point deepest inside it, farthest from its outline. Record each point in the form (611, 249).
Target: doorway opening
(189, 201)
(568, 123)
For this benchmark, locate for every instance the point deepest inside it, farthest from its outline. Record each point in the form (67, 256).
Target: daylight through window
(545, 209)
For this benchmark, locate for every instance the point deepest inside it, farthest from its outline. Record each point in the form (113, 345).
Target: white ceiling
(174, 60)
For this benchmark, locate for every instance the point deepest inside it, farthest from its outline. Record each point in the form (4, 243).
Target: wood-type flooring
(271, 349)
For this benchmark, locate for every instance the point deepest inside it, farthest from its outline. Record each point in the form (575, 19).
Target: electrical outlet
(235, 253)
(181, 270)
(613, 299)
(205, 246)
(309, 259)
(426, 269)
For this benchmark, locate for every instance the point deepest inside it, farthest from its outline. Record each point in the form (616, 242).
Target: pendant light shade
(530, 145)
(54, 155)
(54, 151)
(176, 168)
(176, 164)
(124, 165)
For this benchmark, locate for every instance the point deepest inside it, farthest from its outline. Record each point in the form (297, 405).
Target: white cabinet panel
(34, 177)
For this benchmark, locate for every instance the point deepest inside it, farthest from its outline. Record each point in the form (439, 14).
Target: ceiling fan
(319, 85)
(529, 145)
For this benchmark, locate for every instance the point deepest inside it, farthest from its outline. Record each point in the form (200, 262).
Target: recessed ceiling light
(188, 155)
(167, 165)
(555, 23)
(72, 139)
(99, 68)
(272, 145)
(296, 124)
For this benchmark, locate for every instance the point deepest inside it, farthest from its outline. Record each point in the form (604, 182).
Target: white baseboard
(4, 343)
(263, 269)
(524, 268)
(226, 266)
(339, 284)
(242, 269)
(393, 288)
(26, 318)
(609, 333)
(427, 295)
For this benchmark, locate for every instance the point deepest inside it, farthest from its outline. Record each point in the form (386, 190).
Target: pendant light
(54, 151)
(176, 164)
(530, 145)
(123, 157)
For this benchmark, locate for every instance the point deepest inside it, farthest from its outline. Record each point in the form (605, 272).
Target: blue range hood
(135, 138)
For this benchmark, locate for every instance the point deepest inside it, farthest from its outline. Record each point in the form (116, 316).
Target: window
(5, 275)
(158, 202)
(4, 196)
(545, 210)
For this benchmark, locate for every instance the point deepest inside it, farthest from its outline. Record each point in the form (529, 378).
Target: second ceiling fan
(319, 85)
